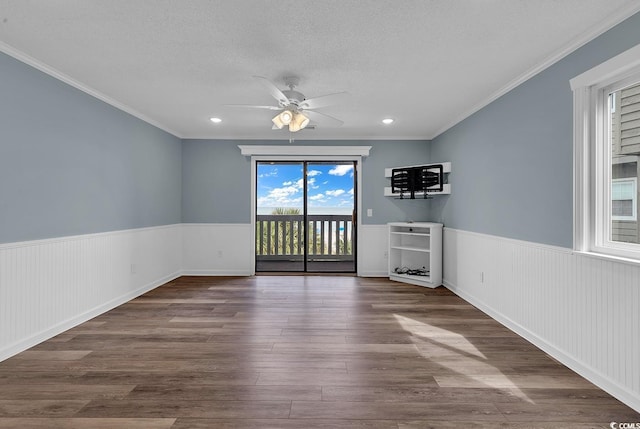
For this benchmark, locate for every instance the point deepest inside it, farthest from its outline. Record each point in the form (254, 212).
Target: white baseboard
(548, 295)
(49, 286)
(374, 274)
(37, 338)
(216, 273)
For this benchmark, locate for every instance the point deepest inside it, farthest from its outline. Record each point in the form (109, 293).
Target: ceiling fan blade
(324, 100)
(275, 92)
(250, 106)
(323, 118)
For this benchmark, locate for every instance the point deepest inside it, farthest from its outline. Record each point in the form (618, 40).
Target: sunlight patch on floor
(455, 352)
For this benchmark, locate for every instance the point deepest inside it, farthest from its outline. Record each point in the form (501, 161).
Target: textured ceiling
(425, 63)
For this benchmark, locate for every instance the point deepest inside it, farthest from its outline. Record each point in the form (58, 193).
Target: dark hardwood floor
(296, 352)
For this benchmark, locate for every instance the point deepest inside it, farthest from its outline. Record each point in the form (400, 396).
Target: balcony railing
(282, 237)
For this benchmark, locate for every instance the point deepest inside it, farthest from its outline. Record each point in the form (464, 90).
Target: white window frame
(592, 159)
(634, 199)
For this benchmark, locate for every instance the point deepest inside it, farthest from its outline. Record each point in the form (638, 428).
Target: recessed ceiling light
(215, 120)
(387, 121)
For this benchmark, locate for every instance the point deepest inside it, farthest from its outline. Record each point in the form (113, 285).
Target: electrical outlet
(386, 254)
(220, 254)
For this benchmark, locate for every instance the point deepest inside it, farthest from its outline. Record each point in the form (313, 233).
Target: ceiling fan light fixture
(294, 109)
(277, 123)
(283, 118)
(286, 117)
(298, 122)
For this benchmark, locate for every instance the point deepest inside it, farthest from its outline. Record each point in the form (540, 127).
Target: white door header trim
(251, 150)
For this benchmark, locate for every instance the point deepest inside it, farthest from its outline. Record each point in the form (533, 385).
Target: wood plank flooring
(296, 352)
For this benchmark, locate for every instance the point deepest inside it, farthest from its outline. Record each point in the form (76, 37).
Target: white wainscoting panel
(584, 311)
(217, 249)
(373, 259)
(49, 286)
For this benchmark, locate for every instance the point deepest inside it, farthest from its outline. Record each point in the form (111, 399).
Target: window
(623, 200)
(607, 157)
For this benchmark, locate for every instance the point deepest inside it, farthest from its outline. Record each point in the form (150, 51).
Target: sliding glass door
(280, 232)
(330, 216)
(305, 216)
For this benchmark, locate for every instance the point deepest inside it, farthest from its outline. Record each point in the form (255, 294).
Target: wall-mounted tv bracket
(423, 179)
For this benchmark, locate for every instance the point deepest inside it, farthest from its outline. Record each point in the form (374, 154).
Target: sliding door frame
(311, 154)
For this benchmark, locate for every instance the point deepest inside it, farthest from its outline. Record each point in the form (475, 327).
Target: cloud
(284, 196)
(272, 173)
(311, 183)
(335, 192)
(280, 202)
(290, 193)
(284, 192)
(340, 170)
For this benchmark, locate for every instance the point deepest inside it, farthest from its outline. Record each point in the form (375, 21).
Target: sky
(329, 186)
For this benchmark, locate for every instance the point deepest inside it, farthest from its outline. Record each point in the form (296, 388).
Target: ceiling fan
(296, 111)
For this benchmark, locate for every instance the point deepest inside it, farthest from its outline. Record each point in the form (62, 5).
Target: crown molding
(45, 68)
(579, 41)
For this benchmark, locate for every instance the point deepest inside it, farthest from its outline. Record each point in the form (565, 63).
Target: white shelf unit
(446, 188)
(416, 246)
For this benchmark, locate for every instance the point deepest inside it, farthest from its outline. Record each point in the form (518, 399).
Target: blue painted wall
(216, 183)
(391, 154)
(71, 164)
(512, 161)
